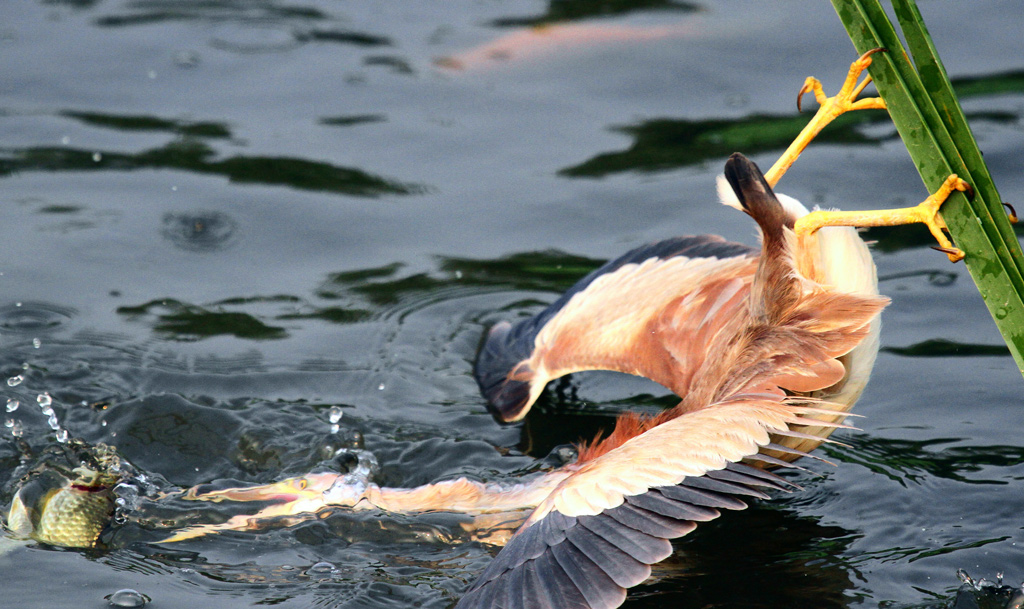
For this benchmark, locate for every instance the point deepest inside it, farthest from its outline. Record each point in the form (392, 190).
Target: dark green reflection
(992, 84)
(225, 10)
(361, 39)
(183, 321)
(150, 123)
(915, 461)
(663, 144)
(191, 155)
(577, 10)
(352, 119)
(939, 347)
(548, 270)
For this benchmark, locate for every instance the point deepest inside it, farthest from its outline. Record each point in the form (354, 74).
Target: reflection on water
(191, 155)
(150, 123)
(940, 347)
(666, 144)
(906, 461)
(183, 321)
(578, 10)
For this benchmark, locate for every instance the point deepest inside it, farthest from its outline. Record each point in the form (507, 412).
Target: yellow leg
(829, 109)
(926, 212)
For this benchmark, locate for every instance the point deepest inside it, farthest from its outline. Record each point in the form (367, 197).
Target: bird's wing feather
(603, 526)
(593, 324)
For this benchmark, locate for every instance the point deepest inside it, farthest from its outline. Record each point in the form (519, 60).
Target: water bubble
(97, 157)
(127, 598)
(24, 365)
(12, 404)
(334, 414)
(15, 427)
(36, 343)
(14, 381)
(44, 399)
(322, 567)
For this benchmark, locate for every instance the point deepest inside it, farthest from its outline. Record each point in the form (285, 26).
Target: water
(225, 222)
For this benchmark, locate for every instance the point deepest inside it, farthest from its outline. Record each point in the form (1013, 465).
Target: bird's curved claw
(1012, 217)
(829, 108)
(846, 99)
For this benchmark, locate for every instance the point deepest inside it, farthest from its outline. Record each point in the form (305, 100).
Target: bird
(767, 350)
(747, 340)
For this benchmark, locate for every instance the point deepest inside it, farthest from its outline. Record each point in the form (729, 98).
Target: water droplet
(335, 428)
(186, 59)
(97, 157)
(62, 436)
(14, 426)
(174, 189)
(12, 404)
(14, 381)
(380, 387)
(127, 598)
(24, 365)
(151, 74)
(66, 141)
(36, 343)
(458, 274)
(322, 567)
(103, 423)
(334, 414)
(44, 399)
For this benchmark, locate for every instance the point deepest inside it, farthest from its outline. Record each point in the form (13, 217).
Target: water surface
(221, 220)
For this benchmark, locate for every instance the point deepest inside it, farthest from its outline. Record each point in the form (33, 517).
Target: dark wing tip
(501, 352)
(588, 562)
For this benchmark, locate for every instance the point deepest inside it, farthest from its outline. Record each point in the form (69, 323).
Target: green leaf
(928, 116)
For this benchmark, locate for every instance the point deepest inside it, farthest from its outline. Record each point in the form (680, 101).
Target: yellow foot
(829, 109)
(927, 212)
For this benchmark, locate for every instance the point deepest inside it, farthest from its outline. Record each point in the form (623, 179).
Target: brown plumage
(766, 342)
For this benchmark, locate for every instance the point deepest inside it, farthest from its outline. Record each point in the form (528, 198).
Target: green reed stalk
(932, 124)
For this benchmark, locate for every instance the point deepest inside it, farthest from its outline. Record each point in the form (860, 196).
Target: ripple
(199, 231)
(30, 317)
(247, 38)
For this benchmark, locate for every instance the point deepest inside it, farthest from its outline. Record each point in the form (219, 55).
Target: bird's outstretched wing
(600, 531)
(604, 322)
